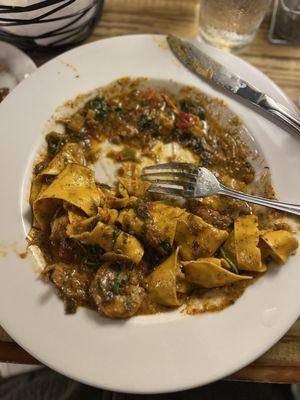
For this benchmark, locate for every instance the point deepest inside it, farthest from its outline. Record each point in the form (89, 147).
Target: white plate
(18, 65)
(146, 354)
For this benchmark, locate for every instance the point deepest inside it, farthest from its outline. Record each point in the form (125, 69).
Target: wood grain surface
(279, 62)
(148, 16)
(281, 363)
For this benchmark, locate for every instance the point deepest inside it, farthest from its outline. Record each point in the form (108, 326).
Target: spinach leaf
(99, 106)
(93, 252)
(55, 142)
(193, 108)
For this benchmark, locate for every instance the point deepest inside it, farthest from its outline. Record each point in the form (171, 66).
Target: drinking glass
(231, 24)
(288, 20)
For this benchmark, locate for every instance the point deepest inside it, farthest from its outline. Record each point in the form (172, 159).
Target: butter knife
(205, 67)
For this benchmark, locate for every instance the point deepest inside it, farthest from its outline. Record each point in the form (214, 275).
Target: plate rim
(30, 65)
(178, 387)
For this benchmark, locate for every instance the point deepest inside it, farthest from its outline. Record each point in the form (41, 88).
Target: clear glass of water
(231, 24)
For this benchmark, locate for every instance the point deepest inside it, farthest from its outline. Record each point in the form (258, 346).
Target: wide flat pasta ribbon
(162, 282)
(197, 238)
(164, 220)
(71, 153)
(134, 187)
(246, 237)
(108, 237)
(210, 273)
(131, 222)
(156, 226)
(74, 185)
(279, 245)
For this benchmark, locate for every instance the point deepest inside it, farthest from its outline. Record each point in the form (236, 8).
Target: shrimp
(72, 282)
(116, 291)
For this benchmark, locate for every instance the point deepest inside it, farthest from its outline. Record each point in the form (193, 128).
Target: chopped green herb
(165, 245)
(201, 113)
(115, 288)
(99, 106)
(120, 281)
(55, 141)
(144, 122)
(232, 265)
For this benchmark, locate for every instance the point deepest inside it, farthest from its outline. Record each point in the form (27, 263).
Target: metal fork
(186, 180)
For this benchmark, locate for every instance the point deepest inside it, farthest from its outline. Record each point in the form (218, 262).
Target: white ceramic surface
(18, 65)
(146, 354)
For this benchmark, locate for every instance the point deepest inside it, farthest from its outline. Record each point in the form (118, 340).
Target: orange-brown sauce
(137, 117)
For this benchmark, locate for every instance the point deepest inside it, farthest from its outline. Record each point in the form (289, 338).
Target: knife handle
(289, 118)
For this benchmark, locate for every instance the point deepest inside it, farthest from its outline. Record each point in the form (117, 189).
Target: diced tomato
(184, 121)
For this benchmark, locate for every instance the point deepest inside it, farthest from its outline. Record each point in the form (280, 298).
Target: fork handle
(278, 205)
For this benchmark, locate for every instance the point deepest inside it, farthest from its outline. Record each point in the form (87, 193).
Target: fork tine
(170, 173)
(173, 166)
(158, 175)
(171, 191)
(170, 182)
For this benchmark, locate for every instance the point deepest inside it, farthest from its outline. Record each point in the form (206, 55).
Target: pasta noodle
(122, 250)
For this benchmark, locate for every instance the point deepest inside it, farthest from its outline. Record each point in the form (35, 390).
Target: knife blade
(212, 71)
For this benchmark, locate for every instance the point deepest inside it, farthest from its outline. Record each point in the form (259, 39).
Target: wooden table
(281, 364)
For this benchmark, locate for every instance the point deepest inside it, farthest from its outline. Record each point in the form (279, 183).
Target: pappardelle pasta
(117, 248)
